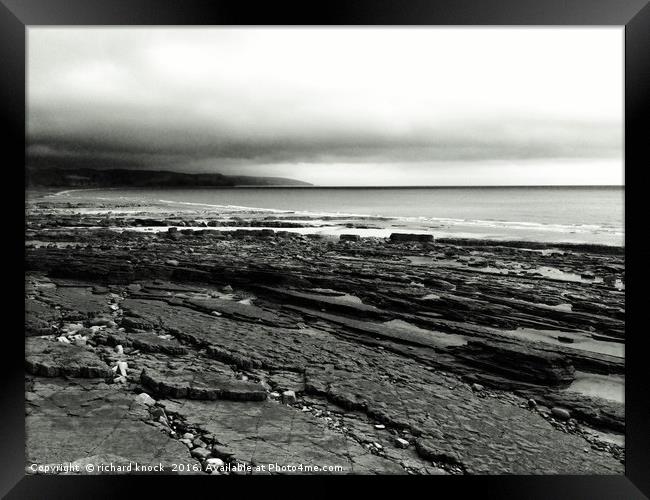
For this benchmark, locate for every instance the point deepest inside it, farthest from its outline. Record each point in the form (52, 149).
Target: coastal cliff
(91, 178)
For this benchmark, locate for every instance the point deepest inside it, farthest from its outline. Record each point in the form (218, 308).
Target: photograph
(333, 250)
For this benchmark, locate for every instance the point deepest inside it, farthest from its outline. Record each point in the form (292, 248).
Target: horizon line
(415, 186)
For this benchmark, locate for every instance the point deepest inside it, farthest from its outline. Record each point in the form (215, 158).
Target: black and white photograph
(325, 250)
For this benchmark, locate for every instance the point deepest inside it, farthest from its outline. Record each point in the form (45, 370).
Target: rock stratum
(222, 351)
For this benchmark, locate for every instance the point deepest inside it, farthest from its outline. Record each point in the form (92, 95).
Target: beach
(171, 331)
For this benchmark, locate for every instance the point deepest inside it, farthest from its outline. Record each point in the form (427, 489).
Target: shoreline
(202, 340)
(506, 232)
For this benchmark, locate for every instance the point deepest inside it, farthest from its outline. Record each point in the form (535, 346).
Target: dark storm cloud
(203, 99)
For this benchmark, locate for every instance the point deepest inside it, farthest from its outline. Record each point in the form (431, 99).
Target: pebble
(171, 262)
(532, 403)
(122, 366)
(214, 462)
(477, 387)
(188, 435)
(200, 453)
(186, 442)
(288, 397)
(145, 399)
(63, 339)
(402, 443)
(119, 349)
(380, 426)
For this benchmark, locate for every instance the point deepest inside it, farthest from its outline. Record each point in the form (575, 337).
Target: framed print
(360, 242)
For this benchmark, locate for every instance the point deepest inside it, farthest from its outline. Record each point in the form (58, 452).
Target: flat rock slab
(414, 336)
(457, 426)
(39, 317)
(236, 310)
(79, 301)
(147, 342)
(201, 385)
(287, 381)
(47, 358)
(270, 433)
(519, 362)
(326, 302)
(69, 423)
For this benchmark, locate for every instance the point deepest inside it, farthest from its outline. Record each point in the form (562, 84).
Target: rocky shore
(176, 339)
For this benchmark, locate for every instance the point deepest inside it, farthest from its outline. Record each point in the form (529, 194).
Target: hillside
(79, 178)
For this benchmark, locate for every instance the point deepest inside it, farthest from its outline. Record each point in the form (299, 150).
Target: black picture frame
(17, 15)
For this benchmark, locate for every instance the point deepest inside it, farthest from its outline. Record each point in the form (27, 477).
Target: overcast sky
(362, 106)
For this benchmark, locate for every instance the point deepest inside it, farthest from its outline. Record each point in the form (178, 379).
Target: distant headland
(87, 177)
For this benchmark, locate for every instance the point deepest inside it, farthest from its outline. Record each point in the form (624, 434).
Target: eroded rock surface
(55, 359)
(379, 356)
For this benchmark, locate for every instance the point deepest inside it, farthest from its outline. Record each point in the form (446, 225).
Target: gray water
(572, 214)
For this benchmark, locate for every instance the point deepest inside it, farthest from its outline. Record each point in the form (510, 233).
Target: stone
(380, 426)
(214, 463)
(189, 436)
(532, 403)
(171, 262)
(206, 385)
(119, 349)
(54, 359)
(199, 443)
(401, 443)
(477, 387)
(560, 413)
(408, 237)
(145, 399)
(200, 453)
(288, 397)
(122, 367)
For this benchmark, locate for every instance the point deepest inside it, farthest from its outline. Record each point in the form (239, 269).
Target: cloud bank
(442, 105)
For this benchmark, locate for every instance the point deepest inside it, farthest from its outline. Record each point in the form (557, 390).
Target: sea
(572, 214)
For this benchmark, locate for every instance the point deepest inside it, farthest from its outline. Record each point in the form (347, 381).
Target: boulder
(560, 413)
(144, 399)
(409, 237)
(288, 397)
(209, 386)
